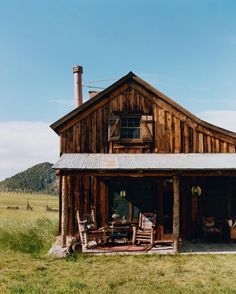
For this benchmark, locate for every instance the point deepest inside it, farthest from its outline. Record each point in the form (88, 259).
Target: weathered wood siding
(173, 132)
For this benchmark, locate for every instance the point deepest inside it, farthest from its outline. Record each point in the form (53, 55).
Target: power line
(93, 87)
(101, 81)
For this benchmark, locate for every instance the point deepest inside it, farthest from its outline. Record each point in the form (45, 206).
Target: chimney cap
(77, 68)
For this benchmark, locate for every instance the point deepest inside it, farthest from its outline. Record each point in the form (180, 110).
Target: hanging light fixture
(122, 193)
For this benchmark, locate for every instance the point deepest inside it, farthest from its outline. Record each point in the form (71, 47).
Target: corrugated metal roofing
(148, 161)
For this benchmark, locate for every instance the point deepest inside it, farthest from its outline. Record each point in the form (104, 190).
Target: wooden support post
(176, 208)
(63, 212)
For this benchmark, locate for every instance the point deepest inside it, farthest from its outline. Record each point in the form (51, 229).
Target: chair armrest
(83, 222)
(102, 229)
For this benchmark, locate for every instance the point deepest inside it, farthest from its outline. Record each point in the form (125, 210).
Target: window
(139, 197)
(130, 128)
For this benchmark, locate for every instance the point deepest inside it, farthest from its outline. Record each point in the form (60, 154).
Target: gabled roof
(131, 76)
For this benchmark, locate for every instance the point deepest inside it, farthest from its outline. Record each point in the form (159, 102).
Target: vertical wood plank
(225, 147)
(103, 202)
(231, 148)
(69, 193)
(217, 145)
(155, 131)
(200, 143)
(176, 208)
(161, 130)
(76, 198)
(209, 149)
(177, 138)
(64, 212)
(190, 131)
(186, 139)
(168, 124)
(183, 206)
(94, 131)
(60, 205)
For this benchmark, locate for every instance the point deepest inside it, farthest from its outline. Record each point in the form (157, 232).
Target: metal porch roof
(147, 161)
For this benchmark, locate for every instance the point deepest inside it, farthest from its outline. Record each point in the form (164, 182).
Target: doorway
(166, 200)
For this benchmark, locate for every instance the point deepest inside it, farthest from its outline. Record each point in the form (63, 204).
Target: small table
(118, 231)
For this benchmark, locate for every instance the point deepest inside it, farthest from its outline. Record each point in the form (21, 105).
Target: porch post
(63, 212)
(176, 208)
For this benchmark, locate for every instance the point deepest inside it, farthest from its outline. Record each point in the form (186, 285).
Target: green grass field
(25, 237)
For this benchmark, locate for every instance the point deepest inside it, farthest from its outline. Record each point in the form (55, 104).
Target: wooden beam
(63, 212)
(176, 209)
(146, 173)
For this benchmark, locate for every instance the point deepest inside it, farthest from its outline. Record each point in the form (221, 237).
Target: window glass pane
(137, 123)
(130, 128)
(136, 133)
(130, 122)
(124, 123)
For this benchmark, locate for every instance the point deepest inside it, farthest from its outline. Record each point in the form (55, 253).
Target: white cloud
(25, 143)
(222, 118)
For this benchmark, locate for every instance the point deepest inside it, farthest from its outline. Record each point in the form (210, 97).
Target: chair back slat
(147, 220)
(90, 218)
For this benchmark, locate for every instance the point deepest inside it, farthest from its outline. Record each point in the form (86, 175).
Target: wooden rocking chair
(88, 230)
(146, 229)
(211, 229)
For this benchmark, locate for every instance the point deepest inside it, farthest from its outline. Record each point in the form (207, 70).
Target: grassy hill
(40, 178)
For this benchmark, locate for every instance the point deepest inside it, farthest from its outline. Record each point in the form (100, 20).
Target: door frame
(162, 189)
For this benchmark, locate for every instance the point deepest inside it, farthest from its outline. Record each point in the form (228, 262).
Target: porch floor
(208, 248)
(186, 248)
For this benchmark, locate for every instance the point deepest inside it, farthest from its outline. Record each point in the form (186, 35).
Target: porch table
(118, 231)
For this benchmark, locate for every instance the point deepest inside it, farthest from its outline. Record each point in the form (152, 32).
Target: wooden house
(131, 148)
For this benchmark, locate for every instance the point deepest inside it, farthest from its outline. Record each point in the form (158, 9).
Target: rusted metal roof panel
(150, 161)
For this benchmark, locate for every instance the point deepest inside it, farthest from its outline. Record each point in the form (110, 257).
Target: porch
(126, 184)
(186, 248)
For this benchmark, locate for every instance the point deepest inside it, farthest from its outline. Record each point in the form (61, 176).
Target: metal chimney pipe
(78, 93)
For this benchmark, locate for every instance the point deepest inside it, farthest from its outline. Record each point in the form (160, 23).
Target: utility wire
(101, 81)
(88, 84)
(93, 87)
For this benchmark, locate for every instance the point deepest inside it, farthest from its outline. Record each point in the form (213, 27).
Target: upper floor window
(130, 128)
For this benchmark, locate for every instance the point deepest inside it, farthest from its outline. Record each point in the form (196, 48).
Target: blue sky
(186, 49)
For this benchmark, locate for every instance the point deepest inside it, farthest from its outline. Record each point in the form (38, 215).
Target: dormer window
(130, 128)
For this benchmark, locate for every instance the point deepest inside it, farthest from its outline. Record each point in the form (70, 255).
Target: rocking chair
(146, 229)
(211, 229)
(88, 231)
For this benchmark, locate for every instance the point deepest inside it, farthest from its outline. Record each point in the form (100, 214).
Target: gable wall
(173, 131)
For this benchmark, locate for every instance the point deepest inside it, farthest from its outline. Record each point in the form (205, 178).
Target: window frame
(130, 116)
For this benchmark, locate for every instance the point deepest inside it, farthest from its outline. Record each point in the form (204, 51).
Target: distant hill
(40, 178)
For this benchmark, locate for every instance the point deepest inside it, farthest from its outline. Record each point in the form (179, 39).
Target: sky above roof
(186, 49)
